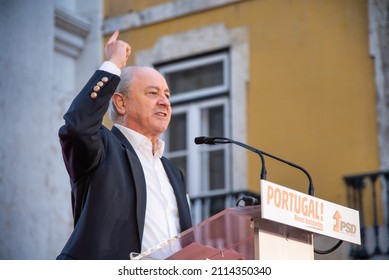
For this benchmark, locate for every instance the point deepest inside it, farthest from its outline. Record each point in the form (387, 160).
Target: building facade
(303, 80)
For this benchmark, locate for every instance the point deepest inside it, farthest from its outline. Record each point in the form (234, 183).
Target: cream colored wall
(119, 7)
(311, 96)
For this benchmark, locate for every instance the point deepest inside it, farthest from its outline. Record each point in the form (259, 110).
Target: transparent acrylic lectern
(235, 234)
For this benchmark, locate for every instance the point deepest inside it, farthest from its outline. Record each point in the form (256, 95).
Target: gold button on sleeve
(96, 88)
(100, 84)
(93, 95)
(104, 79)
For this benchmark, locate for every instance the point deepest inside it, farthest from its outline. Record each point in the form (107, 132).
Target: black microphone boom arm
(223, 140)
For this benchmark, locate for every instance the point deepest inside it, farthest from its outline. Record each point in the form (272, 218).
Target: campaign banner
(290, 207)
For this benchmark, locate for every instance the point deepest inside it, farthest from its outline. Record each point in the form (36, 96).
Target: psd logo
(343, 226)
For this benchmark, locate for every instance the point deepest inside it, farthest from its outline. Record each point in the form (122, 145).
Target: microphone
(223, 140)
(204, 140)
(247, 201)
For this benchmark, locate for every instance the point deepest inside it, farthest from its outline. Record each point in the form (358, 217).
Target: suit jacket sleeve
(81, 137)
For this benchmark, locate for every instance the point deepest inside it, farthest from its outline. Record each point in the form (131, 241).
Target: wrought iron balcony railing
(369, 194)
(207, 205)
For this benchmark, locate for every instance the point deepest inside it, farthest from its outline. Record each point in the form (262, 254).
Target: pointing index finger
(114, 37)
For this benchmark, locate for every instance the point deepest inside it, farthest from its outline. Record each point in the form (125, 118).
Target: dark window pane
(177, 133)
(196, 78)
(216, 170)
(216, 121)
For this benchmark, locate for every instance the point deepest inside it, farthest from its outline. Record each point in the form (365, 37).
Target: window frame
(193, 152)
(190, 96)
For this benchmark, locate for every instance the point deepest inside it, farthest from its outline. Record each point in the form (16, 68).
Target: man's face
(148, 108)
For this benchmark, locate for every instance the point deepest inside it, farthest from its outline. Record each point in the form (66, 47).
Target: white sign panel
(307, 212)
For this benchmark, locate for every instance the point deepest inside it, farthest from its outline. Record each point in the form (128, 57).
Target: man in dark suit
(126, 196)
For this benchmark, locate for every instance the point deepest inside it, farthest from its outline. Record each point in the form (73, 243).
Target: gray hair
(124, 87)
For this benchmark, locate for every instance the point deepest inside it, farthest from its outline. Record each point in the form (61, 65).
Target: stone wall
(48, 50)
(379, 48)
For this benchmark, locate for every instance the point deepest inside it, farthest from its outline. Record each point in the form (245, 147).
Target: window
(200, 107)
(197, 78)
(208, 164)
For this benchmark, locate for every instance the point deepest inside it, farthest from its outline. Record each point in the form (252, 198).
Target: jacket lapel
(177, 182)
(139, 179)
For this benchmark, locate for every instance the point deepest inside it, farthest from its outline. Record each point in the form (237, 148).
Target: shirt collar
(138, 140)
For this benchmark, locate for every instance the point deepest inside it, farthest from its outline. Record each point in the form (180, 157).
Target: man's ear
(119, 101)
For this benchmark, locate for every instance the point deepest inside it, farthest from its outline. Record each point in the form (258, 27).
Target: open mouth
(161, 114)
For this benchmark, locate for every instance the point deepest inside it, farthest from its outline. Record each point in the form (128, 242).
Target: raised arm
(82, 136)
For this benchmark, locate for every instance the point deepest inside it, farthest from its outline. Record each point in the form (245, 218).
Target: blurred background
(305, 80)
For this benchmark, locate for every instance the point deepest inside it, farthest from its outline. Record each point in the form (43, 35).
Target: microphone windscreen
(199, 140)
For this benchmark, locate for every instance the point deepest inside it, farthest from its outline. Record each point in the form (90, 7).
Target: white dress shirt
(161, 221)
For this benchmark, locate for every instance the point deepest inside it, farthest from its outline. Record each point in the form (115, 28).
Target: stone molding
(70, 32)
(379, 44)
(160, 13)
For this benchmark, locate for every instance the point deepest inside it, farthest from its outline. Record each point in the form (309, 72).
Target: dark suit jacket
(107, 180)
